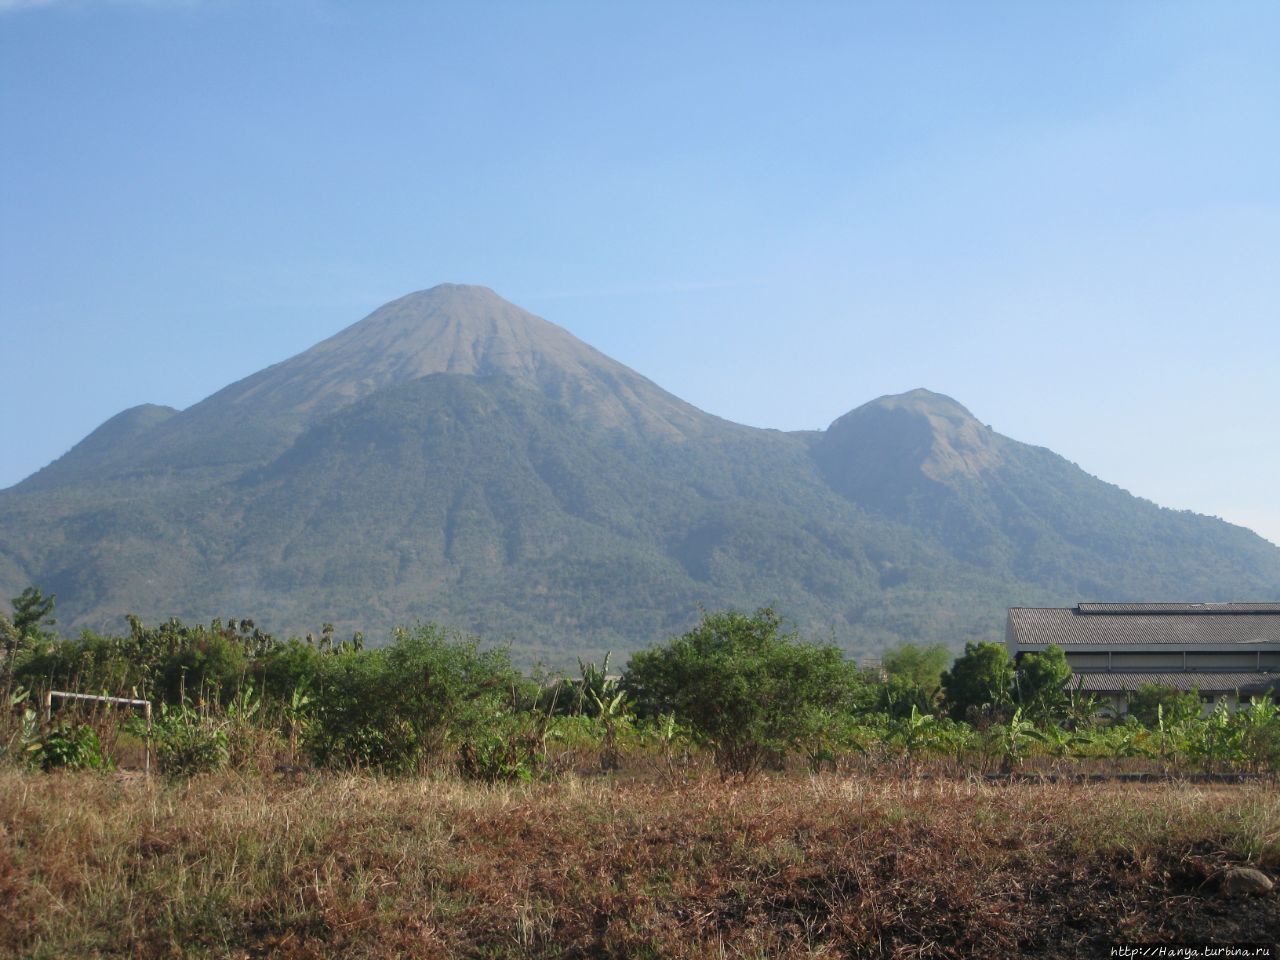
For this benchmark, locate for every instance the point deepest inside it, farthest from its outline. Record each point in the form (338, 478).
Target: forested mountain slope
(452, 457)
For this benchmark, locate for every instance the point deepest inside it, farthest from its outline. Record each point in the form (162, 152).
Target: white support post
(123, 701)
(146, 744)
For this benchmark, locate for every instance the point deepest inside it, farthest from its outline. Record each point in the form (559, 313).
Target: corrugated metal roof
(1210, 608)
(1069, 625)
(1247, 683)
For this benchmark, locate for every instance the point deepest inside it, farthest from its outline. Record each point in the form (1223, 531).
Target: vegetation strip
(736, 791)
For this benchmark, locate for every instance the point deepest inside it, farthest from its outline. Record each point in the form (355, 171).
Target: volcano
(452, 457)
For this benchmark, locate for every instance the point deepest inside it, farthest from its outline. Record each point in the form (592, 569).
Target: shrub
(745, 689)
(253, 740)
(89, 662)
(395, 709)
(901, 696)
(69, 747)
(511, 752)
(1011, 741)
(185, 743)
(288, 667)
(1151, 703)
(1259, 721)
(922, 667)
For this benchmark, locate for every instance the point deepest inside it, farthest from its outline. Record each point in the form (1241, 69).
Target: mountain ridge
(451, 456)
(449, 328)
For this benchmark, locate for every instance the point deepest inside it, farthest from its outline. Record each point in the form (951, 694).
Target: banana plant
(609, 706)
(297, 716)
(1260, 732)
(25, 735)
(916, 731)
(610, 709)
(1083, 709)
(1062, 743)
(1013, 739)
(673, 743)
(246, 705)
(595, 687)
(1174, 737)
(1223, 743)
(1126, 740)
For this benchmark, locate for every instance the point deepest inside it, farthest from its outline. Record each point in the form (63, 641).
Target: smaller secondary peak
(128, 423)
(922, 401)
(919, 429)
(110, 442)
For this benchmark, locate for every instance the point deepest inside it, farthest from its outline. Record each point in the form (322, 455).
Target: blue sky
(1064, 215)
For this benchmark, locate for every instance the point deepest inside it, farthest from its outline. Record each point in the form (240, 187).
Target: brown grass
(105, 865)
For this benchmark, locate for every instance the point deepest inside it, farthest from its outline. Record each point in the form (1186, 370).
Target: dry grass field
(792, 866)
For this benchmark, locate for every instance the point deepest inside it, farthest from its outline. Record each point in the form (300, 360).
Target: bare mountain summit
(462, 330)
(453, 329)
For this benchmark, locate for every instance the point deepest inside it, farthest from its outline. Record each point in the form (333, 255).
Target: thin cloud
(13, 6)
(8, 6)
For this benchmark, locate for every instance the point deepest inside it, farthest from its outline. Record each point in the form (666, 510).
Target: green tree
(923, 666)
(1040, 681)
(744, 688)
(981, 677)
(1151, 704)
(901, 696)
(10, 644)
(32, 612)
(914, 678)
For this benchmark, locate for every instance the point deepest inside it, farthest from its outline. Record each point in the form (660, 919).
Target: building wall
(1173, 660)
(1148, 656)
(1121, 661)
